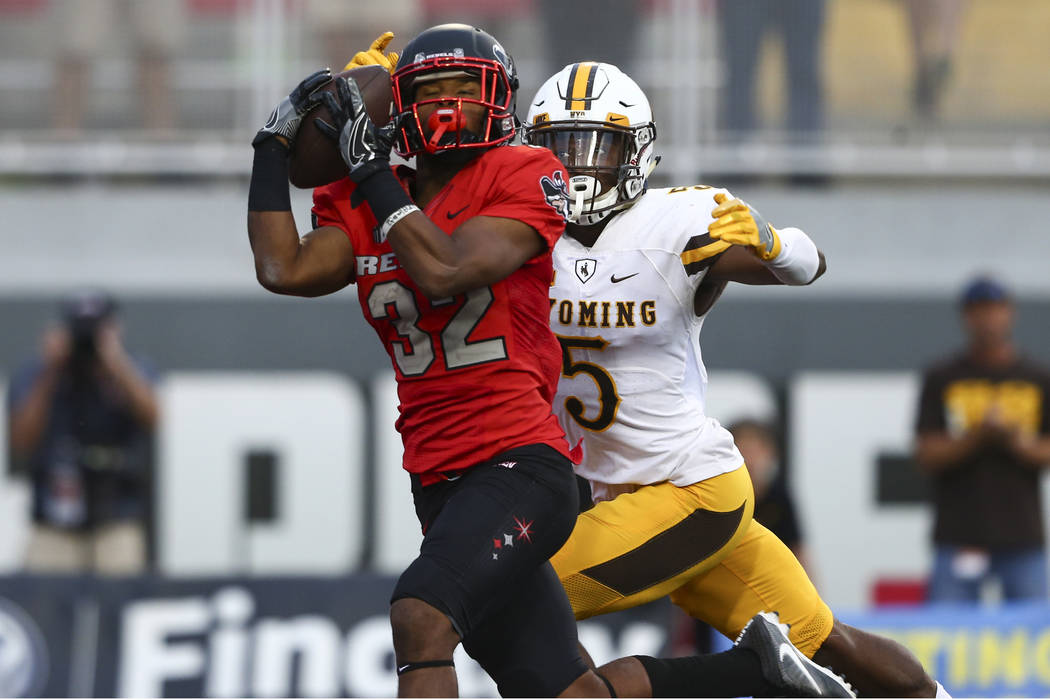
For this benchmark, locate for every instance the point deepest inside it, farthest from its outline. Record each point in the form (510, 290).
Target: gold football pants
(697, 544)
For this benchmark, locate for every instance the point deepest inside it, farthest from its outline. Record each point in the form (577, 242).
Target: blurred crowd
(788, 68)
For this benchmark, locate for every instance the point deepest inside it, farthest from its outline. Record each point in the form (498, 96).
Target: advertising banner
(989, 652)
(325, 637)
(280, 637)
(974, 652)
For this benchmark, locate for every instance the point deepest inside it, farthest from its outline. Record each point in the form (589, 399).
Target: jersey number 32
(414, 354)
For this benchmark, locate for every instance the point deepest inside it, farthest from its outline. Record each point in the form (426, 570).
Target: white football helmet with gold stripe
(599, 124)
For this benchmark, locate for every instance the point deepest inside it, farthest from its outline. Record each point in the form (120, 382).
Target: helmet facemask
(447, 124)
(607, 164)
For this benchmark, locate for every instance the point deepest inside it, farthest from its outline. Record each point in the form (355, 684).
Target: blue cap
(983, 289)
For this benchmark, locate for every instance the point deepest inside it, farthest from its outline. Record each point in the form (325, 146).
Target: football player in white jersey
(634, 277)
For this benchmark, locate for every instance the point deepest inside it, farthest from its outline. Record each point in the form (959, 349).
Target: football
(315, 160)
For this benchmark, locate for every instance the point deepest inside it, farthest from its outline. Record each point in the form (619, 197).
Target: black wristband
(268, 190)
(386, 197)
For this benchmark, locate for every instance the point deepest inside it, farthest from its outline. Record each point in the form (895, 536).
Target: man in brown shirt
(984, 436)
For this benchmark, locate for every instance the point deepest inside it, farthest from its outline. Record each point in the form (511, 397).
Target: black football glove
(286, 116)
(365, 147)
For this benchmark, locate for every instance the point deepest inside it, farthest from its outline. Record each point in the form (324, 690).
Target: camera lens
(82, 331)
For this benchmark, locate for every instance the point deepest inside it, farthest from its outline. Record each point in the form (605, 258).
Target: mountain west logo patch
(585, 268)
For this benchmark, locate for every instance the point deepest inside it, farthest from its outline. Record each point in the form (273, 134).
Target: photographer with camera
(81, 420)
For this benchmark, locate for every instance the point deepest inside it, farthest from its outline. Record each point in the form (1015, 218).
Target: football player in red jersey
(453, 266)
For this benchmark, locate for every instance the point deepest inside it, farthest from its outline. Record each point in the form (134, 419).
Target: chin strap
(582, 190)
(576, 209)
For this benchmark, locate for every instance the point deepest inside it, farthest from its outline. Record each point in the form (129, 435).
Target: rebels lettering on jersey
(476, 373)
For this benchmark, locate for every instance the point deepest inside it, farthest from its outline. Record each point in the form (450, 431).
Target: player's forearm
(428, 254)
(275, 247)
(430, 257)
(798, 262)
(271, 226)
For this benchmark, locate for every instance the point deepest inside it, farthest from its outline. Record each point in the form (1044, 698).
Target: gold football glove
(374, 56)
(737, 223)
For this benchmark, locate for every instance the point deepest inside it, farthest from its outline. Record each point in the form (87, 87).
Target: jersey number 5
(608, 399)
(415, 353)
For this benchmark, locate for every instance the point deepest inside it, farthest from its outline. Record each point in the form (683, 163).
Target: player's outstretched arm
(737, 264)
(769, 256)
(322, 261)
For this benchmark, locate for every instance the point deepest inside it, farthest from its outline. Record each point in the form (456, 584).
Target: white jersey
(633, 379)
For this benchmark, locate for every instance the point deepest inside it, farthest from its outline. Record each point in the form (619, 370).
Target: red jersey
(476, 373)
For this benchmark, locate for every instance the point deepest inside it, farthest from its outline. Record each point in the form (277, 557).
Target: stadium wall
(840, 376)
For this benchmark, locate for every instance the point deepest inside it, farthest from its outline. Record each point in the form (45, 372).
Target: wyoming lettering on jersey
(604, 314)
(633, 379)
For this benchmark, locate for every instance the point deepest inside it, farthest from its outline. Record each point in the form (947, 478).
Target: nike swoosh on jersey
(614, 279)
(453, 214)
(786, 650)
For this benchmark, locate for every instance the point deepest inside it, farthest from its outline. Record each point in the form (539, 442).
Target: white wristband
(798, 261)
(401, 213)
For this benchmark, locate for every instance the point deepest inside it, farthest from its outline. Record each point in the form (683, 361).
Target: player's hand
(285, 118)
(365, 147)
(374, 55)
(737, 223)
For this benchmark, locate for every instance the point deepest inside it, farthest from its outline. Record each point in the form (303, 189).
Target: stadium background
(277, 586)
